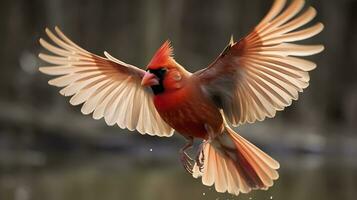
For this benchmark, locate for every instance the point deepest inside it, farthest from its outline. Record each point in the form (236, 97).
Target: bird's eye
(163, 70)
(159, 71)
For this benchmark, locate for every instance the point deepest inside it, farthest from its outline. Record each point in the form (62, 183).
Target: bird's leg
(200, 157)
(186, 160)
(211, 134)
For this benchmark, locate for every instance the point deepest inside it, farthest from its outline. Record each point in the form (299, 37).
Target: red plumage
(249, 81)
(162, 55)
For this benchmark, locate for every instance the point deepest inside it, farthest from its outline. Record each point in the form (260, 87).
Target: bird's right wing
(109, 88)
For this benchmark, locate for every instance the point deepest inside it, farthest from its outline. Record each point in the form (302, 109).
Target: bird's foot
(200, 158)
(185, 159)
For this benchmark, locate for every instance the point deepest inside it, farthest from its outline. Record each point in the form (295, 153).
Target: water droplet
(150, 149)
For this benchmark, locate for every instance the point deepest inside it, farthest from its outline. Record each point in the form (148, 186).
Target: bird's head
(162, 72)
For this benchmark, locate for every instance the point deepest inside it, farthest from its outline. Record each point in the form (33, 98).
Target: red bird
(249, 81)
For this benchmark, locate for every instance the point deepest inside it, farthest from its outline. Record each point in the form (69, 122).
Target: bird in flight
(249, 81)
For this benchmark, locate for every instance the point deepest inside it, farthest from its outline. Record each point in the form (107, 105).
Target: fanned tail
(233, 164)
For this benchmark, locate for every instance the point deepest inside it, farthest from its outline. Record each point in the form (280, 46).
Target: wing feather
(107, 87)
(262, 72)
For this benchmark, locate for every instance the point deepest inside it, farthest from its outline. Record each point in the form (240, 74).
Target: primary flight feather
(249, 81)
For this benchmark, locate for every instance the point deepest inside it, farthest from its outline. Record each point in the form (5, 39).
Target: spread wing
(109, 88)
(260, 74)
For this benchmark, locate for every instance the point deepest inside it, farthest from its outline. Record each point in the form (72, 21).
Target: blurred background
(49, 151)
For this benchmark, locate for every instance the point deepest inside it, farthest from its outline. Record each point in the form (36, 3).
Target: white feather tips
(271, 75)
(94, 81)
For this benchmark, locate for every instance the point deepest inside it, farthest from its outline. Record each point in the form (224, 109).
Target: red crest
(162, 55)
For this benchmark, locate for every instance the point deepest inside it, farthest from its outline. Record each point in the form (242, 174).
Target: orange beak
(149, 79)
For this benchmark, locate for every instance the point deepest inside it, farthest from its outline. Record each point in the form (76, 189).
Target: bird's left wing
(108, 87)
(260, 74)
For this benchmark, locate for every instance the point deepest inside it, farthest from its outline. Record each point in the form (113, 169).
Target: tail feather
(235, 165)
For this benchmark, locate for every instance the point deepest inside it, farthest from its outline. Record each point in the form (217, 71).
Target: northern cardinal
(249, 81)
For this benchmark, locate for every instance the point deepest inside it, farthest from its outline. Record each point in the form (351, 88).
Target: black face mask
(159, 73)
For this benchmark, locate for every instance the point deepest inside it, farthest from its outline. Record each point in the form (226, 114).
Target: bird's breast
(187, 112)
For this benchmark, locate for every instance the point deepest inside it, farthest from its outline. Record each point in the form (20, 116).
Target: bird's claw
(200, 159)
(186, 161)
